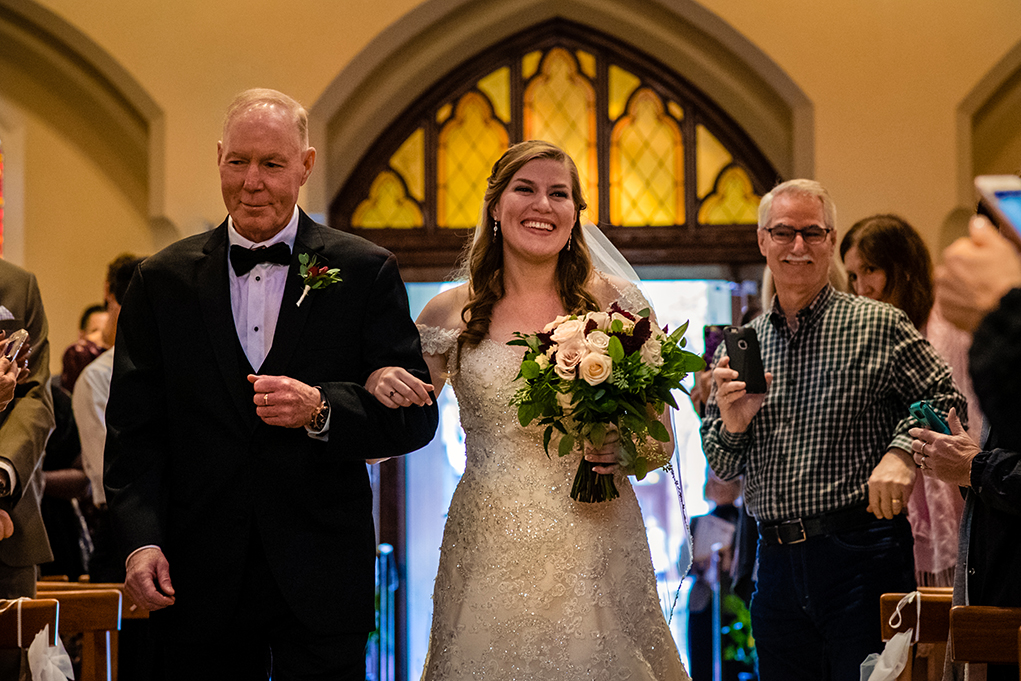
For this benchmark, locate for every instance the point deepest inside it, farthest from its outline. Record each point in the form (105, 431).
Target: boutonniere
(313, 275)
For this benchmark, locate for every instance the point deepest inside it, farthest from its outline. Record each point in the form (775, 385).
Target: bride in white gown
(532, 585)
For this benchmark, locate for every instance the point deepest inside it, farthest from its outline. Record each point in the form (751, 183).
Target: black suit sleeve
(136, 420)
(359, 424)
(995, 364)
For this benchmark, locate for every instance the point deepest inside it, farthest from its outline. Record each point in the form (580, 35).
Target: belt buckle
(795, 524)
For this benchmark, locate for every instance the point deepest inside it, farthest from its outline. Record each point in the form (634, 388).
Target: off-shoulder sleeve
(437, 340)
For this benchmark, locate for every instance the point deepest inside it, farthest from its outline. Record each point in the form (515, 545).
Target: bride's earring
(496, 227)
(569, 239)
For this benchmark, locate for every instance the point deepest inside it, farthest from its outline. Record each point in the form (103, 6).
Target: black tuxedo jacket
(191, 468)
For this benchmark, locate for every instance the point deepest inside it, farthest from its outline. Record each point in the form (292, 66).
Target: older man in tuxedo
(239, 424)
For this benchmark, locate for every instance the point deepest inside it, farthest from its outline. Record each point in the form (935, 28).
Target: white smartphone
(1000, 195)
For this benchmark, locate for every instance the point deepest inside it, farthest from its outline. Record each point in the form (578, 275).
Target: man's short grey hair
(808, 188)
(255, 96)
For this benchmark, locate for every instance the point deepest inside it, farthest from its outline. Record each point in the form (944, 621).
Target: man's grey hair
(265, 96)
(808, 188)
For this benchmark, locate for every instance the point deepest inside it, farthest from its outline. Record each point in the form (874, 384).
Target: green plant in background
(738, 641)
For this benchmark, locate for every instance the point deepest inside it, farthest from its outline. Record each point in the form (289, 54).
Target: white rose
(597, 341)
(555, 323)
(542, 361)
(628, 324)
(601, 319)
(569, 356)
(568, 331)
(652, 352)
(595, 368)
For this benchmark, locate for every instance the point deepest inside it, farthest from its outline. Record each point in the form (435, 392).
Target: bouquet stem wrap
(592, 487)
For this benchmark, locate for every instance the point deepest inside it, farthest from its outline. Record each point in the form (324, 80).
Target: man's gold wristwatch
(318, 420)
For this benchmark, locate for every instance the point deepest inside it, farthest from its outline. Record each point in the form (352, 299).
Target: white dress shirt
(255, 297)
(91, 393)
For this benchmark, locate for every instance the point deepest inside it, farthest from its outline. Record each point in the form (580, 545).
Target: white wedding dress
(533, 585)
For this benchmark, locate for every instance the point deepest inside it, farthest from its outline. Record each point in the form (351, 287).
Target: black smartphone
(745, 357)
(928, 416)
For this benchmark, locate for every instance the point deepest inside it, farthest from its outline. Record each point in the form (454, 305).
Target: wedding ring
(266, 398)
(391, 396)
(896, 501)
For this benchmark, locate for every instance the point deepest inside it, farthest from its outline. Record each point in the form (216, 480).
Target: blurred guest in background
(89, 404)
(26, 421)
(90, 344)
(979, 289)
(887, 260)
(719, 526)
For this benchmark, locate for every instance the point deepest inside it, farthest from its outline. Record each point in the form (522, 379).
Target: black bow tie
(244, 259)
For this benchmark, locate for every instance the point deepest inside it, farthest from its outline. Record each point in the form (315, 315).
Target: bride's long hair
(482, 262)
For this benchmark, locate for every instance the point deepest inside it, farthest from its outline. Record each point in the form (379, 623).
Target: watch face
(319, 420)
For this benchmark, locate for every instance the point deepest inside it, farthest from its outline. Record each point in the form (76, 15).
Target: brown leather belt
(798, 530)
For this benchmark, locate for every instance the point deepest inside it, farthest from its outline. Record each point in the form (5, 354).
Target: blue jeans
(815, 610)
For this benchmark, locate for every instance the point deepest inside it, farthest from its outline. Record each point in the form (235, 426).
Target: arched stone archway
(407, 58)
(51, 69)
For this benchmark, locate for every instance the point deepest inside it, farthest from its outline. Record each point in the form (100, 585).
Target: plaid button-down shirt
(839, 401)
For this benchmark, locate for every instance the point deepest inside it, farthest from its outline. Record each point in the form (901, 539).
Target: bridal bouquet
(585, 375)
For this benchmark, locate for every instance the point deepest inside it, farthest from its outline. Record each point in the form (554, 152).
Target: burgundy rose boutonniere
(314, 275)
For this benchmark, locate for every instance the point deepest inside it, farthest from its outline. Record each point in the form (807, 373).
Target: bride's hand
(395, 387)
(608, 456)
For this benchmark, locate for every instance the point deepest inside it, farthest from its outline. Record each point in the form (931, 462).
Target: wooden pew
(96, 615)
(129, 610)
(981, 633)
(926, 661)
(36, 613)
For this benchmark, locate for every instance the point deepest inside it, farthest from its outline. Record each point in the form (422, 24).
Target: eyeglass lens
(811, 235)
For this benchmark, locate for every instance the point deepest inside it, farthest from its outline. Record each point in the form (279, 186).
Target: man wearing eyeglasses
(825, 450)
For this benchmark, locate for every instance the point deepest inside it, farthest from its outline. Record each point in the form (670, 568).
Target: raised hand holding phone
(975, 273)
(14, 343)
(745, 357)
(1000, 199)
(10, 372)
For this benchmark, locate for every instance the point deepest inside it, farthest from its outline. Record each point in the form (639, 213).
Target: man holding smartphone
(825, 450)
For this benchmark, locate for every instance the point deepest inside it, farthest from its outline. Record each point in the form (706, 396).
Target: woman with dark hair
(887, 260)
(531, 583)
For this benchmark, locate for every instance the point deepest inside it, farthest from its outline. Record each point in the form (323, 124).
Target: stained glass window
(560, 106)
(667, 174)
(469, 143)
(646, 165)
